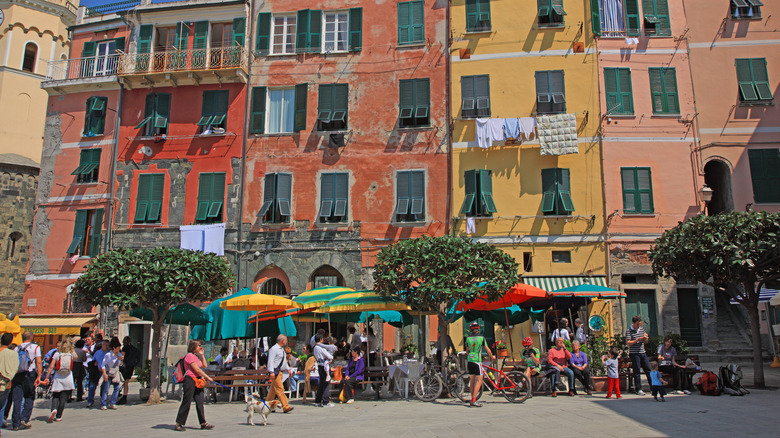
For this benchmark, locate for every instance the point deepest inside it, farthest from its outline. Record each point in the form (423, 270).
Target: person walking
(323, 356)
(79, 368)
(131, 357)
(9, 364)
(277, 364)
(579, 332)
(62, 364)
(95, 371)
(474, 345)
(112, 377)
(635, 339)
(25, 381)
(192, 389)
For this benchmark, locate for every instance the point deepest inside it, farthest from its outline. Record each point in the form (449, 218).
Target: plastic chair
(415, 369)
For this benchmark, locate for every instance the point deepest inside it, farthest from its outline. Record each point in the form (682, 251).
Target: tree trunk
(157, 347)
(755, 333)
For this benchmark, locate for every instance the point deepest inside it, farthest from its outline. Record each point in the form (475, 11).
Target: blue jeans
(23, 393)
(92, 387)
(555, 377)
(114, 394)
(640, 360)
(295, 381)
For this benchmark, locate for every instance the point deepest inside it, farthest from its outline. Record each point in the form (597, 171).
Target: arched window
(326, 275)
(273, 286)
(13, 244)
(30, 56)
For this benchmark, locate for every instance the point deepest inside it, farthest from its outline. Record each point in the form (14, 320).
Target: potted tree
(501, 349)
(143, 376)
(409, 350)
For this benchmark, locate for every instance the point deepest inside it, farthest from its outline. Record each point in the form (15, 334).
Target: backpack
(64, 364)
(24, 359)
(709, 384)
(731, 375)
(179, 371)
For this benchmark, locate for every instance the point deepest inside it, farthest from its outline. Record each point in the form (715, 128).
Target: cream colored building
(32, 33)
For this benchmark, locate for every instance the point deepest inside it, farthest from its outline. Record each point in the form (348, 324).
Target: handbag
(200, 382)
(342, 397)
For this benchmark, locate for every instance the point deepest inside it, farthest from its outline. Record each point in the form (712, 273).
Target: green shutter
(472, 15)
(341, 194)
(765, 175)
(628, 178)
(656, 89)
(406, 98)
(79, 227)
(670, 90)
(644, 187)
(662, 12)
(217, 197)
(182, 33)
(301, 100)
(626, 90)
(633, 25)
(268, 193)
(402, 192)
(564, 192)
(97, 233)
(612, 91)
(761, 78)
(355, 29)
(544, 7)
(119, 44)
(404, 22)
(239, 31)
(162, 110)
(595, 16)
(484, 14)
(145, 38)
(327, 195)
(549, 190)
(557, 7)
(156, 197)
(207, 111)
(264, 33)
(87, 116)
(257, 119)
(148, 110)
(88, 50)
(302, 31)
(284, 193)
(325, 102)
(422, 98)
(315, 31)
(201, 35)
(98, 116)
(486, 190)
(417, 192)
(471, 192)
(340, 102)
(143, 198)
(745, 80)
(204, 196)
(418, 22)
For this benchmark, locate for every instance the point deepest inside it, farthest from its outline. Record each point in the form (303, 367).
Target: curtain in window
(612, 18)
(281, 111)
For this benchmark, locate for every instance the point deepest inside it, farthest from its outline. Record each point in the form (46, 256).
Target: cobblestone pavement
(692, 415)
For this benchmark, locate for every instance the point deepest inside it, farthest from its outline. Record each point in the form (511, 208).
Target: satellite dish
(596, 323)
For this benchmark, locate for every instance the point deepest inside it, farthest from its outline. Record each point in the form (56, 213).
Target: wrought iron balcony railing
(215, 58)
(82, 68)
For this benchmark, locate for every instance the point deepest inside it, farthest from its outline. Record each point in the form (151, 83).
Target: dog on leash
(256, 405)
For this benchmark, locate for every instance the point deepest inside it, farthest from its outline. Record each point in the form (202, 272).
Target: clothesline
(557, 133)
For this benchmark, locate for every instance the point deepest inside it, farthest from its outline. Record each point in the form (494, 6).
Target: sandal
(179, 428)
(206, 426)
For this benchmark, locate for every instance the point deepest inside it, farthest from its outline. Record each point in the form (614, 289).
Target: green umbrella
(394, 318)
(183, 314)
(225, 324)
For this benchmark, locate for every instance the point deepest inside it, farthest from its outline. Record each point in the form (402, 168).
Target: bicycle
(514, 385)
(429, 386)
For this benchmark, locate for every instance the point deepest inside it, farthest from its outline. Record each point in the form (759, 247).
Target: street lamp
(706, 194)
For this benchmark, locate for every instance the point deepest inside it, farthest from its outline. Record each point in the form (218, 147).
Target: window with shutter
(637, 190)
(87, 233)
(257, 117)
(550, 13)
(334, 197)
(277, 198)
(156, 113)
(151, 187)
(663, 89)
(211, 197)
(478, 16)
(753, 81)
(335, 35)
(765, 175)
(479, 194)
(746, 9)
(618, 91)
(214, 113)
(414, 103)
(656, 15)
(355, 29)
(475, 96)
(301, 103)
(410, 196)
(550, 92)
(95, 116)
(89, 166)
(411, 22)
(556, 189)
(333, 107)
(278, 33)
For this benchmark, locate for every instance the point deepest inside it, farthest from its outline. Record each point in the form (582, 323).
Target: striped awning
(764, 296)
(63, 324)
(554, 282)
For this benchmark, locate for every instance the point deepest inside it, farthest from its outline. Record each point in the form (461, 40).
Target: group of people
(104, 363)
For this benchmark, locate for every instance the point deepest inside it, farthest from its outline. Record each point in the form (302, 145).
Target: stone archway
(272, 280)
(325, 275)
(298, 268)
(717, 175)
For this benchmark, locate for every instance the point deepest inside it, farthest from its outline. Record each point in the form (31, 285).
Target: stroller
(731, 375)
(44, 391)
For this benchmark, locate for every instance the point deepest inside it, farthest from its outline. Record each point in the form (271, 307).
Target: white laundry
(632, 41)
(471, 225)
(483, 133)
(214, 239)
(496, 130)
(557, 134)
(191, 237)
(527, 126)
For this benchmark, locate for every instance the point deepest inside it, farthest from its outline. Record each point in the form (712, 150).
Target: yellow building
(32, 33)
(534, 63)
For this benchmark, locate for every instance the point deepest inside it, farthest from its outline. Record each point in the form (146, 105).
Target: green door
(642, 302)
(690, 314)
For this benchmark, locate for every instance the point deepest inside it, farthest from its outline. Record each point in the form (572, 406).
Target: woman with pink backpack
(62, 380)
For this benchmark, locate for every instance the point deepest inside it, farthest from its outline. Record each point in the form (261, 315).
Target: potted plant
(142, 376)
(598, 346)
(501, 349)
(409, 350)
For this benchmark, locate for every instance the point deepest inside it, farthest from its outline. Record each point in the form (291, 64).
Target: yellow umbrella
(314, 298)
(363, 301)
(11, 326)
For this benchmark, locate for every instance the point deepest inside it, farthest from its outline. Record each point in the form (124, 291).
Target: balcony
(184, 67)
(81, 71)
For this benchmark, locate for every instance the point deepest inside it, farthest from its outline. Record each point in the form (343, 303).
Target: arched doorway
(326, 275)
(717, 175)
(272, 280)
(273, 286)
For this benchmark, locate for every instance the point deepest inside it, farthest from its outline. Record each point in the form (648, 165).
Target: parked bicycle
(513, 385)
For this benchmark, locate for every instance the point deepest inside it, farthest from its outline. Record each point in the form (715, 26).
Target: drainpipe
(448, 104)
(109, 235)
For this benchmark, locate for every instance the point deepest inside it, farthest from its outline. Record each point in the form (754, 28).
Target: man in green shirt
(474, 344)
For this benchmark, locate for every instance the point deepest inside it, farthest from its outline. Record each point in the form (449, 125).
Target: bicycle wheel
(463, 389)
(428, 387)
(521, 389)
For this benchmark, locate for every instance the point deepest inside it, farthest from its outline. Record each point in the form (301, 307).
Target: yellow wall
(22, 124)
(511, 54)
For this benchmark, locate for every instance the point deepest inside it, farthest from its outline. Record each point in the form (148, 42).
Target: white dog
(256, 405)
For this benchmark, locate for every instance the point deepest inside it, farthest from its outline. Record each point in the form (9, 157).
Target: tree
(430, 273)
(736, 253)
(157, 279)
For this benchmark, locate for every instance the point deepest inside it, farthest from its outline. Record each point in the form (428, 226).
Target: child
(611, 364)
(656, 382)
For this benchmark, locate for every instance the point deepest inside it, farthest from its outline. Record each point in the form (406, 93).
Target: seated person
(579, 366)
(293, 364)
(353, 374)
(667, 363)
(558, 361)
(220, 359)
(532, 359)
(309, 374)
(242, 363)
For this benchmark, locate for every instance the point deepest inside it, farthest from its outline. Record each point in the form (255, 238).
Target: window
(663, 88)
(332, 108)
(479, 194)
(753, 80)
(746, 9)
(475, 95)
(414, 103)
(30, 55)
(283, 35)
(637, 190)
(309, 31)
(615, 18)
(561, 256)
(149, 199)
(550, 13)
(156, 112)
(211, 197)
(13, 238)
(214, 113)
(556, 200)
(89, 166)
(550, 93)
(276, 198)
(411, 22)
(656, 14)
(410, 196)
(765, 173)
(87, 233)
(528, 262)
(477, 15)
(105, 64)
(95, 116)
(286, 110)
(336, 32)
(334, 197)
(617, 84)
(170, 44)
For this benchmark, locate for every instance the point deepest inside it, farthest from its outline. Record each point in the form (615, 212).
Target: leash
(236, 391)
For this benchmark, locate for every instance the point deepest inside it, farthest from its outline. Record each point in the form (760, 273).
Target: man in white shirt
(324, 355)
(24, 383)
(220, 359)
(277, 364)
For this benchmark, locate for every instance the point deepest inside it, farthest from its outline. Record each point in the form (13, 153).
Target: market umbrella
(587, 290)
(393, 317)
(517, 294)
(9, 326)
(224, 325)
(183, 314)
(276, 314)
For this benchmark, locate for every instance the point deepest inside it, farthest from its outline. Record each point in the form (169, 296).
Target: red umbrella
(276, 314)
(518, 294)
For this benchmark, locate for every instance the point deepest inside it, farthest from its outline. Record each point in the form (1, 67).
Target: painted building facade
(541, 204)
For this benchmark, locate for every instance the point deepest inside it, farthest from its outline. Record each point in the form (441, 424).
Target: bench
(680, 359)
(234, 379)
(376, 376)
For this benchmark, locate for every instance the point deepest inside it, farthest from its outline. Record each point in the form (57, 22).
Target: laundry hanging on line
(206, 238)
(557, 134)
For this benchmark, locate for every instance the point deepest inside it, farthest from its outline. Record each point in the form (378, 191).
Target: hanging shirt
(483, 133)
(496, 130)
(512, 128)
(527, 126)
